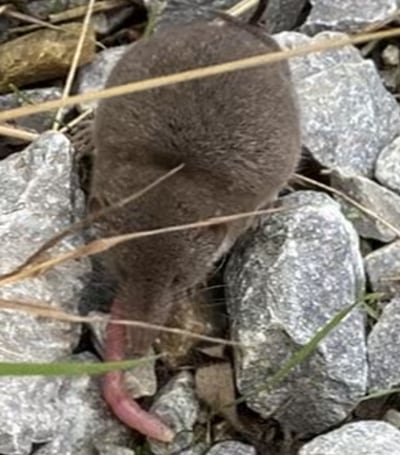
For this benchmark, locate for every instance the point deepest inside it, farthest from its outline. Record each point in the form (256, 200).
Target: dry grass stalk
(368, 48)
(17, 133)
(101, 245)
(199, 73)
(76, 120)
(68, 15)
(94, 216)
(382, 23)
(48, 312)
(80, 11)
(241, 7)
(9, 11)
(75, 61)
(365, 210)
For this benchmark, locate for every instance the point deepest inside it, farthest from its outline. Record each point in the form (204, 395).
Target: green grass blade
(301, 355)
(306, 351)
(67, 368)
(380, 394)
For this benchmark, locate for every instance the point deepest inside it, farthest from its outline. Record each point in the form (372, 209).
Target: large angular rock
(387, 168)
(383, 349)
(195, 449)
(282, 14)
(348, 117)
(315, 62)
(175, 12)
(231, 448)
(43, 8)
(36, 122)
(84, 424)
(285, 281)
(40, 197)
(93, 76)
(346, 15)
(279, 15)
(362, 438)
(372, 196)
(382, 267)
(177, 406)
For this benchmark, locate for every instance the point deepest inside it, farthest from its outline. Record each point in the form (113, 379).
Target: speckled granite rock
(42, 8)
(348, 117)
(372, 196)
(184, 11)
(361, 438)
(231, 448)
(315, 62)
(284, 282)
(346, 15)
(382, 267)
(93, 76)
(40, 197)
(387, 168)
(177, 406)
(383, 349)
(282, 14)
(37, 122)
(103, 22)
(279, 15)
(84, 424)
(393, 417)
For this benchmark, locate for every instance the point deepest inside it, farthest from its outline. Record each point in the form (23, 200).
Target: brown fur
(237, 135)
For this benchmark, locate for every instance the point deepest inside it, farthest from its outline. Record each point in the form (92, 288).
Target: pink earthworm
(116, 394)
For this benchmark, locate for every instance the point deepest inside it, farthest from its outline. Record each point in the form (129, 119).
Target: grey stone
(40, 197)
(391, 55)
(393, 417)
(347, 115)
(5, 24)
(140, 381)
(106, 23)
(36, 123)
(176, 12)
(84, 424)
(387, 168)
(231, 448)
(27, 413)
(113, 449)
(315, 62)
(368, 437)
(383, 349)
(282, 14)
(279, 15)
(103, 23)
(372, 196)
(390, 78)
(346, 15)
(382, 267)
(93, 76)
(285, 281)
(195, 449)
(177, 405)
(43, 8)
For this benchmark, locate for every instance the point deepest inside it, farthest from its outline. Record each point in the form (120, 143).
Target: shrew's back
(237, 133)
